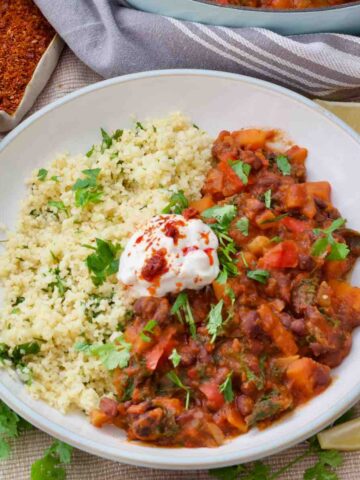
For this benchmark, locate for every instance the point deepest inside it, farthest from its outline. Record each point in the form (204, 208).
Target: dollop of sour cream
(169, 254)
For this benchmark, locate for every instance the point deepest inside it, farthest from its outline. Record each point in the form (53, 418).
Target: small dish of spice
(29, 51)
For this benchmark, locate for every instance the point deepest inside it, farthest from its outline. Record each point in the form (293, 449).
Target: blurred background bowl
(342, 18)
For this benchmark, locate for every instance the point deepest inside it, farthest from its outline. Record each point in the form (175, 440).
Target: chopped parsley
(42, 174)
(215, 320)
(283, 164)
(11, 425)
(104, 261)
(87, 190)
(258, 275)
(224, 215)
(242, 170)
(243, 226)
(58, 282)
(175, 358)
(180, 308)
(112, 355)
(172, 375)
(49, 467)
(90, 152)
(149, 328)
(338, 250)
(139, 126)
(178, 202)
(267, 198)
(59, 206)
(226, 388)
(106, 140)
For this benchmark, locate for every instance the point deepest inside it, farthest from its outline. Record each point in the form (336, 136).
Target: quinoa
(138, 174)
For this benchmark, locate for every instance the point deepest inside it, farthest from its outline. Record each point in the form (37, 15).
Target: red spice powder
(24, 36)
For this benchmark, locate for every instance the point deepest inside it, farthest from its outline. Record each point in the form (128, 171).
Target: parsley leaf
(87, 190)
(224, 214)
(111, 355)
(243, 226)
(42, 174)
(49, 466)
(178, 203)
(59, 206)
(338, 250)
(106, 140)
(283, 164)
(175, 358)
(180, 308)
(267, 198)
(226, 388)
(104, 261)
(10, 427)
(258, 275)
(149, 327)
(242, 170)
(20, 351)
(215, 320)
(172, 375)
(90, 152)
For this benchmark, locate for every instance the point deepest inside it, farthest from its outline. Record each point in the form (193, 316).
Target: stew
(207, 365)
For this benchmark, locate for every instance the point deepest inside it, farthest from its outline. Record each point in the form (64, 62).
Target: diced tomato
(215, 398)
(231, 176)
(295, 225)
(283, 255)
(302, 196)
(162, 348)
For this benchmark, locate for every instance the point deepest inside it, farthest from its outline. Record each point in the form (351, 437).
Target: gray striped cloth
(113, 39)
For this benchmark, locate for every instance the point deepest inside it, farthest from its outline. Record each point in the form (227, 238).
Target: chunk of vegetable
(272, 325)
(283, 255)
(307, 378)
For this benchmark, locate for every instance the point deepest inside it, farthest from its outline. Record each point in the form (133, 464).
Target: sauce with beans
(283, 4)
(263, 338)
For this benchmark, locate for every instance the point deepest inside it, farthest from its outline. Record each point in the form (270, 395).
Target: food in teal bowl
(282, 16)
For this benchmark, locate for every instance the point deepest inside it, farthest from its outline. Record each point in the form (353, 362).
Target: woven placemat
(70, 75)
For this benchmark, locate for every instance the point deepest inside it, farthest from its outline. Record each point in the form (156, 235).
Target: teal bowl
(340, 19)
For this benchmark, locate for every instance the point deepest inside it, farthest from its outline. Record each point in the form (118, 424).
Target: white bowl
(215, 101)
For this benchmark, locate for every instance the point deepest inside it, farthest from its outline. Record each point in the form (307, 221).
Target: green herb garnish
(338, 250)
(49, 467)
(87, 190)
(172, 375)
(178, 203)
(112, 355)
(283, 164)
(258, 275)
(11, 425)
(175, 358)
(226, 388)
(42, 174)
(59, 206)
(215, 320)
(243, 226)
(149, 328)
(104, 261)
(242, 170)
(181, 308)
(267, 198)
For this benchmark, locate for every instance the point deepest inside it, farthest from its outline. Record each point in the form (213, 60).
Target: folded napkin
(113, 39)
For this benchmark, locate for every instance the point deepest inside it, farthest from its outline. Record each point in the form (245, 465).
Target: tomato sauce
(263, 338)
(283, 4)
